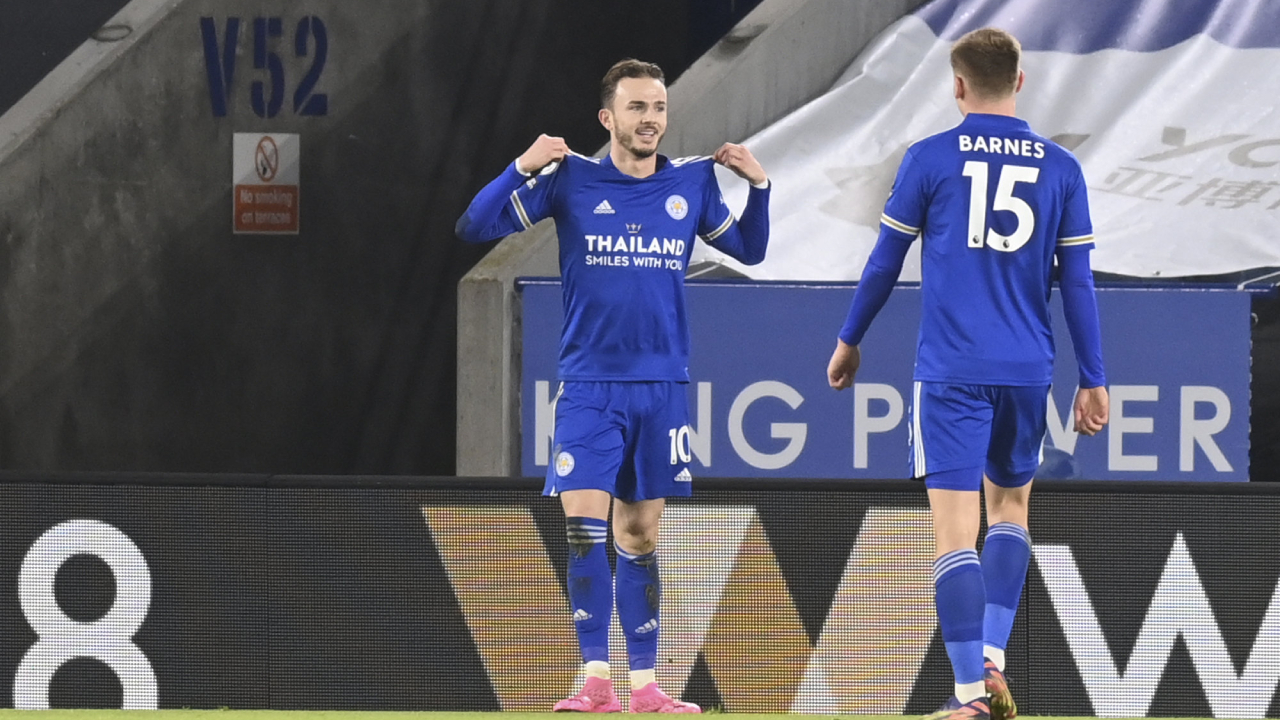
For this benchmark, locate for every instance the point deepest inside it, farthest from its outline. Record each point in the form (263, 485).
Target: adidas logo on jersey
(581, 615)
(604, 208)
(684, 476)
(648, 627)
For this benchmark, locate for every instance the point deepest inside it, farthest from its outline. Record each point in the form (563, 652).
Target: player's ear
(959, 88)
(606, 119)
(1021, 76)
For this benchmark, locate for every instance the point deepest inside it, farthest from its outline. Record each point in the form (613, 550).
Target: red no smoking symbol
(266, 159)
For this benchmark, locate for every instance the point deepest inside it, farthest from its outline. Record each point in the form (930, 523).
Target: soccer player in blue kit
(994, 203)
(626, 224)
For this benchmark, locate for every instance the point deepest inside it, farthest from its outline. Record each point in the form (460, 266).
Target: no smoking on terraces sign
(264, 172)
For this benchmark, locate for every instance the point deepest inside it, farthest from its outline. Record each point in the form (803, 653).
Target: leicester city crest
(564, 464)
(677, 207)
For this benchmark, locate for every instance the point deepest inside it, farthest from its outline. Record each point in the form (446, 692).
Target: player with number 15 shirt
(995, 205)
(994, 201)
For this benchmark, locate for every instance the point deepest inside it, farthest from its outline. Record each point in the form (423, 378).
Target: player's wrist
(1091, 379)
(520, 168)
(762, 185)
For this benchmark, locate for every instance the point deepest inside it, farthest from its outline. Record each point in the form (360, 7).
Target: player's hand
(844, 365)
(1092, 410)
(740, 160)
(544, 151)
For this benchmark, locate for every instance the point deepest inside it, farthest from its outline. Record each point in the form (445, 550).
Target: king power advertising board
(759, 404)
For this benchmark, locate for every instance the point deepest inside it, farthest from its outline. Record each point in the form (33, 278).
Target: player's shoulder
(578, 159)
(1060, 154)
(689, 160)
(1058, 157)
(931, 148)
(698, 165)
(571, 166)
(574, 163)
(694, 169)
(936, 140)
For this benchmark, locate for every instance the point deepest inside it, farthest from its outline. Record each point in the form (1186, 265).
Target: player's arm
(878, 278)
(498, 210)
(745, 239)
(1080, 308)
(901, 222)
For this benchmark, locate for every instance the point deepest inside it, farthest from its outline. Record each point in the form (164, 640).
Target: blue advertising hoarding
(1177, 363)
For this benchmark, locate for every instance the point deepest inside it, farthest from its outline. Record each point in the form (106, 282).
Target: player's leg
(590, 585)
(950, 429)
(658, 470)
(639, 583)
(1006, 552)
(588, 449)
(960, 594)
(1018, 428)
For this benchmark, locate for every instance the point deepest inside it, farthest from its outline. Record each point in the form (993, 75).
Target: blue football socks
(639, 596)
(961, 598)
(1005, 555)
(590, 586)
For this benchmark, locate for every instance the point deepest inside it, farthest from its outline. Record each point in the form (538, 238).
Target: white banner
(1172, 114)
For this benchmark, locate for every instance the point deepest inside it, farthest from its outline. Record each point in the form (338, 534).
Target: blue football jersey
(991, 200)
(624, 245)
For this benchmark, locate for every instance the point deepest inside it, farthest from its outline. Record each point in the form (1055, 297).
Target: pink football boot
(651, 699)
(596, 697)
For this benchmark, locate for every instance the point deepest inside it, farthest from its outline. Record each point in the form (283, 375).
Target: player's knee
(637, 540)
(1008, 503)
(639, 545)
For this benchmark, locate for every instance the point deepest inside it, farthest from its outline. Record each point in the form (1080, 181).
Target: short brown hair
(629, 68)
(988, 60)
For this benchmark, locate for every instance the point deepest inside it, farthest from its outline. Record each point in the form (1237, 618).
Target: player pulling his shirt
(626, 224)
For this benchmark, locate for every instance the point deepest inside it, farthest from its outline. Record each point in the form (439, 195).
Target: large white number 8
(1010, 175)
(108, 639)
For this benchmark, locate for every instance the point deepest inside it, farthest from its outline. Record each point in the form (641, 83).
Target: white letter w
(1179, 606)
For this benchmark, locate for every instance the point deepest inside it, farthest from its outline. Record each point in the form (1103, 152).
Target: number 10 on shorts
(680, 450)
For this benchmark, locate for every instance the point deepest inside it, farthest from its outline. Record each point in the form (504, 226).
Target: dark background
(230, 391)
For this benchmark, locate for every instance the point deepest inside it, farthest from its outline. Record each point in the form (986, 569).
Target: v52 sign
(269, 88)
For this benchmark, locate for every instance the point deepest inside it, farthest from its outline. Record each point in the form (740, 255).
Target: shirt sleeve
(878, 278)
(1076, 229)
(745, 240)
(1080, 308)
(716, 217)
(508, 204)
(534, 201)
(908, 203)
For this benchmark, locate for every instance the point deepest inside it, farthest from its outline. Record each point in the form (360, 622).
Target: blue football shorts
(630, 439)
(958, 432)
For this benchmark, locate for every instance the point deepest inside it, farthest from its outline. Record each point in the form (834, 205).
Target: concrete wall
(785, 53)
(138, 333)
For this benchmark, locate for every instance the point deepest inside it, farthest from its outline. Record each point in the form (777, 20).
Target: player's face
(638, 118)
